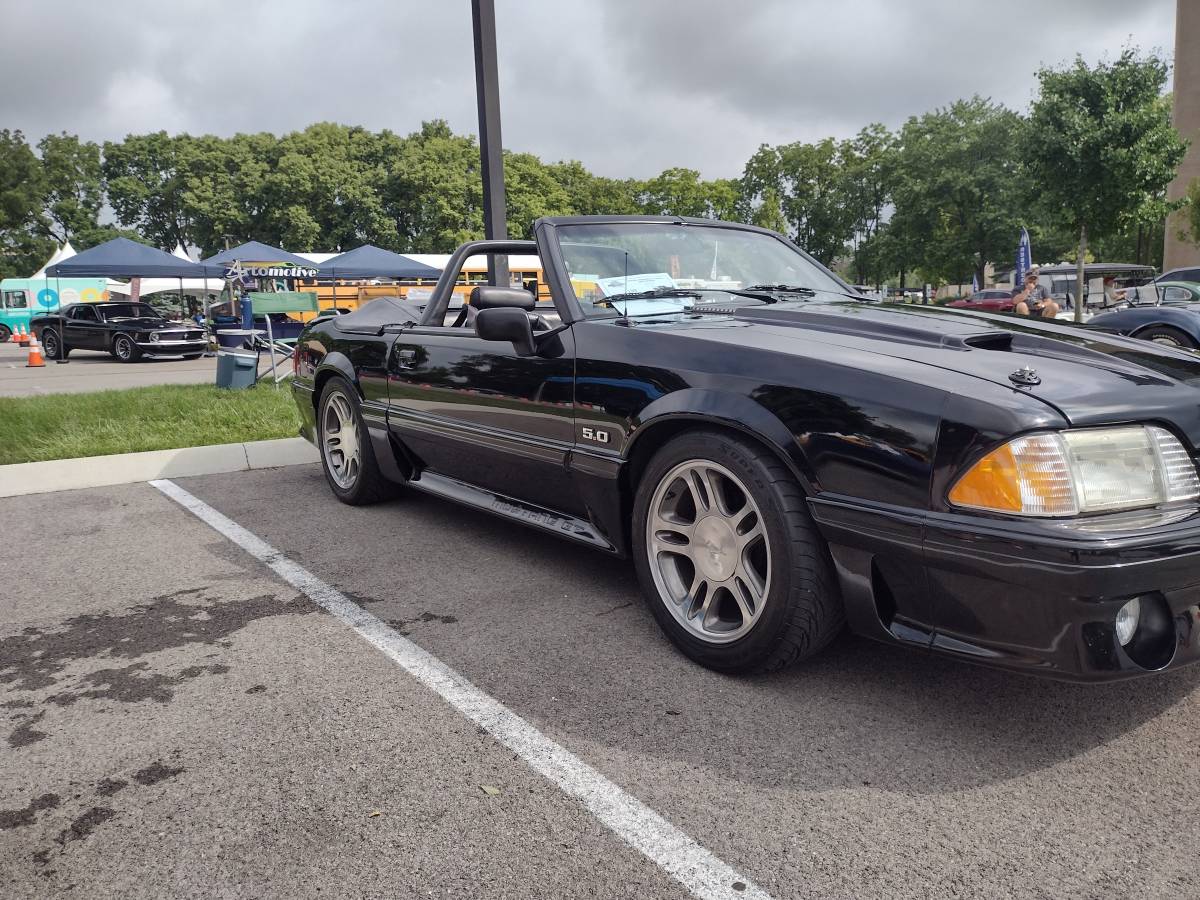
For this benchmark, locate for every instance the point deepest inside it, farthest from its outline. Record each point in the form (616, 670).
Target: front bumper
(1039, 597)
(171, 348)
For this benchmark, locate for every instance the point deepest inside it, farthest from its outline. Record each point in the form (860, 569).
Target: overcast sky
(628, 87)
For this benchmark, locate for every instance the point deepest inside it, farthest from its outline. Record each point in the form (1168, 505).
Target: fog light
(1127, 620)
(154, 335)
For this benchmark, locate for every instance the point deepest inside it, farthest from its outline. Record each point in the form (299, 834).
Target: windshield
(646, 268)
(112, 311)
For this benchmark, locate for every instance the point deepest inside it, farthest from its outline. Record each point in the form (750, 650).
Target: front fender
(730, 411)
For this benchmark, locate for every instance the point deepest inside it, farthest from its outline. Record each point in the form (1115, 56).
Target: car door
(476, 411)
(83, 329)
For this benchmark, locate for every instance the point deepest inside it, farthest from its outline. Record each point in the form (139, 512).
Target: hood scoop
(893, 326)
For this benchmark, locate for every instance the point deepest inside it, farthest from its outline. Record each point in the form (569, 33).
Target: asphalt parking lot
(90, 371)
(180, 720)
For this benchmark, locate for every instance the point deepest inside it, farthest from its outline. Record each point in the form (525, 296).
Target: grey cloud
(626, 86)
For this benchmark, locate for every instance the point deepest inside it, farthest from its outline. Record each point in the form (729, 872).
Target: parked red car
(990, 300)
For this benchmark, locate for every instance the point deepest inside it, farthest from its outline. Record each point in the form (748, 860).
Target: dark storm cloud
(627, 86)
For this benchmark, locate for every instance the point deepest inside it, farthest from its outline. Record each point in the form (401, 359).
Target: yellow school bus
(347, 294)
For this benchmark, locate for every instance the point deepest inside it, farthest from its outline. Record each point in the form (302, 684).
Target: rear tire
(1165, 334)
(733, 567)
(124, 349)
(5, 334)
(347, 456)
(53, 345)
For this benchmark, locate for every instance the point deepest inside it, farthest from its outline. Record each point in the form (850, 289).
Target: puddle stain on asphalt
(36, 658)
(128, 685)
(27, 815)
(86, 822)
(32, 659)
(106, 787)
(84, 825)
(156, 772)
(25, 734)
(403, 625)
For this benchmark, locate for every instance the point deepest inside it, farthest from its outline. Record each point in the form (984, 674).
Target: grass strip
(162, 417)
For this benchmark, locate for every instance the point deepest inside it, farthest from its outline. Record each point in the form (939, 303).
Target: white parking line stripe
(698, 870)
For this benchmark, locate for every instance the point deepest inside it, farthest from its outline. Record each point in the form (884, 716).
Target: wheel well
(657, 435)
(320, 381)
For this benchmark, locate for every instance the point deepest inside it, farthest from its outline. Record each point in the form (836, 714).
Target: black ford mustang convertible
(781, 456)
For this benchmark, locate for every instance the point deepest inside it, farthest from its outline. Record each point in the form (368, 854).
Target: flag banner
(1024, 258)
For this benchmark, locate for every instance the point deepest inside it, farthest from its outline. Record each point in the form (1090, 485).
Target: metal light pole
(487, 92)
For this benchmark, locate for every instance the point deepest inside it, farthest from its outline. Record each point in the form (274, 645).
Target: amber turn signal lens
(1029, 476)
(990, 484)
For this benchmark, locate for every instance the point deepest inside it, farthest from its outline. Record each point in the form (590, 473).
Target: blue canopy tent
(122, 257)
(255, 251)
(368, 261)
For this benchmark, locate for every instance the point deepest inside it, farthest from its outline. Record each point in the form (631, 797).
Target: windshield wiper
(654, 294)
(781, 289)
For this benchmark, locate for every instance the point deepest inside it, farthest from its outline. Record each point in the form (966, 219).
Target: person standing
(1033, 299)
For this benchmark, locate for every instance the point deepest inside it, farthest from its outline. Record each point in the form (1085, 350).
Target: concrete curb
(126, 468)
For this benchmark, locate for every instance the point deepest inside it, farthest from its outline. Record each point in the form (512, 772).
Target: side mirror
(507, 323)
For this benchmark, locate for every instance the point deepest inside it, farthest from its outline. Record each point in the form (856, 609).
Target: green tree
(23, 244)
(73, 191)
(769, 213)
(956, 173)
(595, 195)
(809, 181)
(146, 179)
(682, 192)
(869, 162)
(1101, 147)
(531, 191)
(432, 190)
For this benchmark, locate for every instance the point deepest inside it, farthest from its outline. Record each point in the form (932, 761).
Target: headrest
(488, 297)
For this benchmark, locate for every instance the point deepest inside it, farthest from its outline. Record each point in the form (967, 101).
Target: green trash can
(236, 369)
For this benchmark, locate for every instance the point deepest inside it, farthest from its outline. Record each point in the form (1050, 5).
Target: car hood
(1089, 376)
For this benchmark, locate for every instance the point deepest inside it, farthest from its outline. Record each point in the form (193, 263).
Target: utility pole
(487, 93)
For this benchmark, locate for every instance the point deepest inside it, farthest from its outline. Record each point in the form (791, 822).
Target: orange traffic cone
(24, 336)
(15, 337)
(35, 355)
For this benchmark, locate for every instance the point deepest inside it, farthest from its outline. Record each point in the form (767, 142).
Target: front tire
(728, 557)
(124, 349)
(347, 456)
(53, 345)
(1165, 334)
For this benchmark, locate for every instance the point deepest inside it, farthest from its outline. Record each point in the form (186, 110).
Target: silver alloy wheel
(1167, 341)
(708, 551)
(339, 435)
(123, 347)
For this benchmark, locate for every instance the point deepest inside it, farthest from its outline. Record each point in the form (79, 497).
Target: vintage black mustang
(782, 456)
(128, 331)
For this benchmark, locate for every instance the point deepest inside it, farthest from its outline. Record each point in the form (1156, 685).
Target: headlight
(1091, 470)
(154, 336)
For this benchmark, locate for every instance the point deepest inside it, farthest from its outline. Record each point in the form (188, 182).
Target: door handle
(406, 359)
